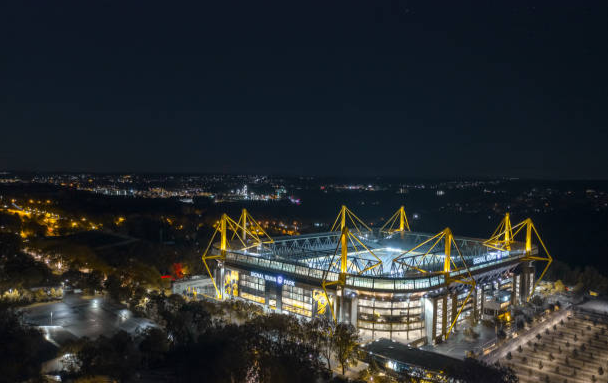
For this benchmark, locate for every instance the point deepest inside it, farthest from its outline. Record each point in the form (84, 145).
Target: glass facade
(297, 300)
(390, 317)
(405, 316)
(252, 288)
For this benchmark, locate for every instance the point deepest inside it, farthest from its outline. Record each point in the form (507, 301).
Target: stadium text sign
(487, 258)
(279, 280)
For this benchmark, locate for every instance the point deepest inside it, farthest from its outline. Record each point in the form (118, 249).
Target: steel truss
(396, 223)
(504, 236)
(245, 239)
(347, 238)
(451, 275)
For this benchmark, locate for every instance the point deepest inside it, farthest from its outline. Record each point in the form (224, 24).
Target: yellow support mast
(244, 218)
(530, 229)
(447, 269)
(221, 229)
(508, 231)
(396, 223)
(448, 238)
(242, 231)
(346, 236)
(346, 217)
(249, 226)
(403, 224)
(504, 236)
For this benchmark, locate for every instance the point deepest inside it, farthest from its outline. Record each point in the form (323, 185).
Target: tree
(537, 301)
(10, 244)
(115, 288)
(558, 286)
(92, 379)
(115, 356)
(318, 333)
(185, 322)
(94, 280)
(223, 355)
(153, 346)
(345, 341)
(23, 349)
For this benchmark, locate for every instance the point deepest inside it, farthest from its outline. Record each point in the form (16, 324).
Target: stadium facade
(389, 283)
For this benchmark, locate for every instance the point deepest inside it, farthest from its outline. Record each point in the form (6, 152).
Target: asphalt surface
(77, 316)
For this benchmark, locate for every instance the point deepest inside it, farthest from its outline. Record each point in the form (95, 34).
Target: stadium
(389, 282)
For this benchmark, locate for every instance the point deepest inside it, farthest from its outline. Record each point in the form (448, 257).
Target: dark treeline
(582, 280)
(217, 342)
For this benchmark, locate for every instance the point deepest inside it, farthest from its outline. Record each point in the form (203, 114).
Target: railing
(377, 283)
(423, 281)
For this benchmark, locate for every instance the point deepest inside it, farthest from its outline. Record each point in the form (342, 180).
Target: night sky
(494, 88)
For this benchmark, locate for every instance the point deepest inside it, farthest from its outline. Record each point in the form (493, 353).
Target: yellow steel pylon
(447, 271)
(530, 228)
(221, 229)
(396, 223)
(346, 216)
(346, 236)
(504, 236)
(246, 240)
(249, 225)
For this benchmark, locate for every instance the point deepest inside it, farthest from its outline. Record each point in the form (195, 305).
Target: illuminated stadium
(389, 282)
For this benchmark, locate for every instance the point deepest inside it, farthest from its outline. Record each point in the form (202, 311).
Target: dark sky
(429, 88)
